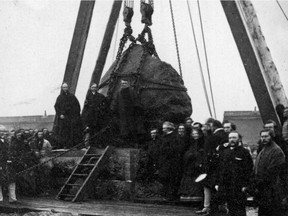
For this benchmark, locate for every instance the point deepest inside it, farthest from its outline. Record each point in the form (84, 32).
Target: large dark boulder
(161, 88)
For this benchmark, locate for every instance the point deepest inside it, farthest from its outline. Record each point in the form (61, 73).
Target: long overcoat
(3, 161)
(68, 130)
(266, 182)
(211, 155)
(129, 110)
(93, 112)
(170, 163)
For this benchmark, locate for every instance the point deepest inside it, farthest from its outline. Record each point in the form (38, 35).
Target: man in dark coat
(278, 139)
(3, 165)
(148, 158)
(211, 158)
(235, 170)
(170, 161)
(268, 166)
(19, 160)
(129, 110)
(93, 114)
(67, 119)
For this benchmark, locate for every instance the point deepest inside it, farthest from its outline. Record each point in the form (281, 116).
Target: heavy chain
(148, 44)
(151, 2)
(166, 86)
(113, 77)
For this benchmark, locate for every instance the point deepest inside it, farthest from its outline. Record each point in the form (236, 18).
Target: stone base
(113, 190)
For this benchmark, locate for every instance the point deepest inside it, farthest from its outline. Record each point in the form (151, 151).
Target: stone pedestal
(117, 181)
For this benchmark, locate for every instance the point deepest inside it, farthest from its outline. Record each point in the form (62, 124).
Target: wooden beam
(106, 42)
(261, 71)
(78, 44)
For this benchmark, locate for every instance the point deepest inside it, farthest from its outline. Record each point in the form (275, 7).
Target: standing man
(67, 119)
(153, 151)
(42, 149)
(267, 169)
(4, 161)
(228, 127)
(170, 161)
(127, 107)
(188, 122)
(236, 167)
(181, 130)
(211, 157)
(19, 160)
(93, 115)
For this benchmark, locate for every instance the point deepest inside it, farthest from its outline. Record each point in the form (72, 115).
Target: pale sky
(35, 37)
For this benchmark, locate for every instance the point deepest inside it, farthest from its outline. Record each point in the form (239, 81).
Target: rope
(59, 155)
(282, 10)
(175, 36)
(170, 87)
(206, 58)
(199, 61)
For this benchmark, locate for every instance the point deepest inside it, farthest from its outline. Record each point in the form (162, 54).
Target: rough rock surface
(161, 89)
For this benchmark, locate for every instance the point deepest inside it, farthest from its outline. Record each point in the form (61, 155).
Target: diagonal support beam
(261, 71)
(78, 44)
(106, 42)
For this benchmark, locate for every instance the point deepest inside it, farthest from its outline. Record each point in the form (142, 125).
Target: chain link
(117, 66)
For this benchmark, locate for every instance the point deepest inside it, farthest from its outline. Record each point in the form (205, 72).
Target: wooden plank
(106, 42)
(256, 58)
(262, 52)
(78, 44)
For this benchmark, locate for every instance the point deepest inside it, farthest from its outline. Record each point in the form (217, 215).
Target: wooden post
(261, 71)
(78, 43)
(106, 42)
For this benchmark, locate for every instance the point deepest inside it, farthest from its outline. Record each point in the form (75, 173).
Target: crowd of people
(20, 150)
(192, 159)
(189, 159)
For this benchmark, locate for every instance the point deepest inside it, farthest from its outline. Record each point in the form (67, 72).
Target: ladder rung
(67, 195)
(86, 164)
(94, 155)
(73, 185)
(79, 174)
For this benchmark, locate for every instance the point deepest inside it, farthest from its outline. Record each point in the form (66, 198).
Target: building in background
(26, 122)
(249, 124)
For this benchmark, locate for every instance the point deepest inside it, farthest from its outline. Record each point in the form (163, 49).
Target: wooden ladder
(83, 175)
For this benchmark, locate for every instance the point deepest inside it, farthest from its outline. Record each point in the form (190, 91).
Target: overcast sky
(35, 38)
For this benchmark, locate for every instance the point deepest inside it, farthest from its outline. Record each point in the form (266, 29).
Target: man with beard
(94, 111)
(267, 169)
(67, 119)
(276, 137)
(236, 166)
(41, 149)
(127, 107)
